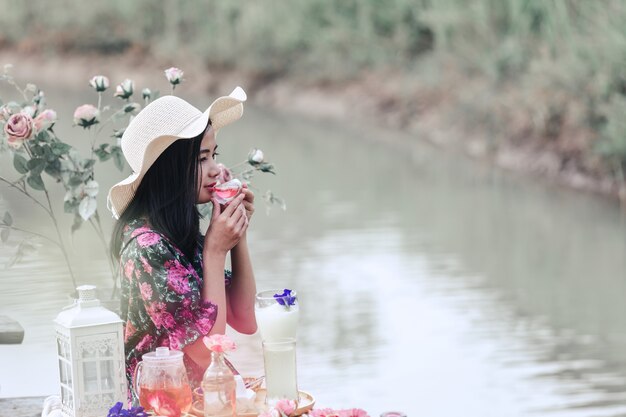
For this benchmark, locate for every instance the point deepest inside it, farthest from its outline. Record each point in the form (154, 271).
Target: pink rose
(146, 291)
(18, 128)
(177, 277)
(146, 265)
(219, 343)
(174, 75)
(205, 325)
(140, 230)
(148, 239)
(86, 115)
(286, 406)
(225, 175)
(5, 112)
(129, 268)
(45, 119)
(144, 343)
(168, 320)
(129, 330)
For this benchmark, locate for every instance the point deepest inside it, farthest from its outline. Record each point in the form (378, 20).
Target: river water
(428, 283)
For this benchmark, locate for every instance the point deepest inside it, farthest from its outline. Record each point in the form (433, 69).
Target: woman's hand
(248, 201)
(227, 226)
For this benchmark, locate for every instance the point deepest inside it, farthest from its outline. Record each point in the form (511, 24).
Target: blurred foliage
(574, 47)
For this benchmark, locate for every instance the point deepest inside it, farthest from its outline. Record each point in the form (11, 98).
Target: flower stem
(26, 193)
(62, 246)
(56, 226)
(19, 229)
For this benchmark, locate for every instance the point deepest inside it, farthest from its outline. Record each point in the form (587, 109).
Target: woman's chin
(204, 198)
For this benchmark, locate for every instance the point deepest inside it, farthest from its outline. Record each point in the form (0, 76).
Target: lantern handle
(136, 376)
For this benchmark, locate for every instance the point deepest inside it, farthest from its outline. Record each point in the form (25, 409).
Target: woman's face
(208, 170)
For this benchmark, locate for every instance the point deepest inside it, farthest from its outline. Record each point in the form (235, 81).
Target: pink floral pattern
(161, 299)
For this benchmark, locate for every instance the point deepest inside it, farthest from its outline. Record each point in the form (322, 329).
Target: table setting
(91, 363)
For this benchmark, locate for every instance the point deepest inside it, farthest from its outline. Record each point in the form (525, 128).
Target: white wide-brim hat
(161, 123)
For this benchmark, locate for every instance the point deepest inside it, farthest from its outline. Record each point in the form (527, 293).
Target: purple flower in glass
(285, 299)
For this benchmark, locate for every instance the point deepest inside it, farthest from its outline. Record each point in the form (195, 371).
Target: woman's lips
(211, 186)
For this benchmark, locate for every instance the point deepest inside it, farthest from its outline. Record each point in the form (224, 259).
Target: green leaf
(118, 158)
(36, 182)
(4, 235)
(265, 167)
(8, 220)
(89, 163)
(37, 150)
(54, 170)
(78, 221)
(36, 166)
(70, 206)
(60, 148)
(43, 136)
(75, 180)
(102, 155)
(20, 163)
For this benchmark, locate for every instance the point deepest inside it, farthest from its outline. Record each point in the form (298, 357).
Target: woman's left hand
(248, 201)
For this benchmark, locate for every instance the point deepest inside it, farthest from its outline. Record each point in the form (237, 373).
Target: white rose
(174, 75)
(125, 89)
(99, 83)
(256, 156)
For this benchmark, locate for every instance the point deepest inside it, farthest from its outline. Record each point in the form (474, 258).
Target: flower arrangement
(219, 343)
(286, 408)
(41, 158)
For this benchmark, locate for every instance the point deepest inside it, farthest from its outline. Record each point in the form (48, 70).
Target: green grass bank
(535, 85)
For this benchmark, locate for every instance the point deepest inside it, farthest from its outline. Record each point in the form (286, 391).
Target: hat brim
(222, 112)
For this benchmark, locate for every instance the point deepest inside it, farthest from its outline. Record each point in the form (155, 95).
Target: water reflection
(427, 283)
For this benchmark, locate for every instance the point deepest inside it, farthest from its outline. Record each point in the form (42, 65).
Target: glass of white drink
(277, 314)
(280, 370)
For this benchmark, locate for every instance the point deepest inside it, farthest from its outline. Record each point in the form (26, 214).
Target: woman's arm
(225, 231)
(242, 290)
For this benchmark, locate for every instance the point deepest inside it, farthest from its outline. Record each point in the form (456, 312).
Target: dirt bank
(453, 112)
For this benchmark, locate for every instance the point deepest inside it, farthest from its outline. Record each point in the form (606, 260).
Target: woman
(174, 289)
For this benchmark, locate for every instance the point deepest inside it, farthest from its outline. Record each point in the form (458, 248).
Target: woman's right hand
(226, 227)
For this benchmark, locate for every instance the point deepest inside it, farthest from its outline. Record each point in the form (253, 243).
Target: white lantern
(90, 350)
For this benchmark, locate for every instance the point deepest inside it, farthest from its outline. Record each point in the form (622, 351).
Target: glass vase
(219, 387)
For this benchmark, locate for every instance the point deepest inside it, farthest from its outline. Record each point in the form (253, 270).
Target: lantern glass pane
(62, 348)
(106, 371)
(90, 376)
(89, 352)
(68, 371)
(66, 375)
(66, 397)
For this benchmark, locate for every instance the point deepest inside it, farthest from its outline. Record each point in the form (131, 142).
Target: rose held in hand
(18, 128)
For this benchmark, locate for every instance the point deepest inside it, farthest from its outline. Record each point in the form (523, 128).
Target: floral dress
(161, 298)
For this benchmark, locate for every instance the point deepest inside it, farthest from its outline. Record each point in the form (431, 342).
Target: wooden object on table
(11, 332)
(305, 404)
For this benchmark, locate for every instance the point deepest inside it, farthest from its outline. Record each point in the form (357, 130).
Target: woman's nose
(214, 170)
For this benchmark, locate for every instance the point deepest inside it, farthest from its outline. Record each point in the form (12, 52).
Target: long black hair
(166, 197)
